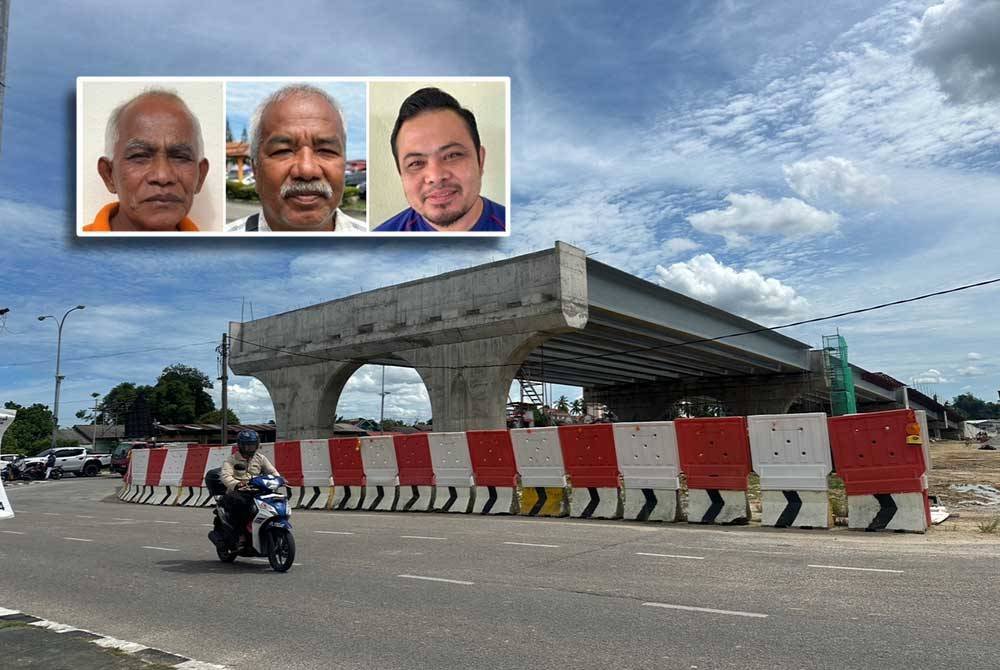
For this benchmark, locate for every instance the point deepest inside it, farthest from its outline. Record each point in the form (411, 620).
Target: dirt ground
(955, 463)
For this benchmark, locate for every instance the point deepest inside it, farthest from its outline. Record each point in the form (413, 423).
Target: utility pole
(381, 412)
(93, 435)
(59, 377)
(224, 352)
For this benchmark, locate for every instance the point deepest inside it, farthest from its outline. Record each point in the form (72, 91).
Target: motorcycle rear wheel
(281, 550)
(225, 554)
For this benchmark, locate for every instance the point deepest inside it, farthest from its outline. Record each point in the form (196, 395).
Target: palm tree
(562, 404)
(576, 407)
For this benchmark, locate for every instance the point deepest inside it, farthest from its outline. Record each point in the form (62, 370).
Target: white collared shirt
(344, 224)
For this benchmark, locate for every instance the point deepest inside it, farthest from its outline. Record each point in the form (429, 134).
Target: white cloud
(743, 292)
(971, 371)
(839, 178)
(931, 376)
(958, 40)
(678, 245)
(751, 213)
(973, 356)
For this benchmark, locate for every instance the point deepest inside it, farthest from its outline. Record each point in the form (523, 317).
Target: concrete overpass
(555, 315)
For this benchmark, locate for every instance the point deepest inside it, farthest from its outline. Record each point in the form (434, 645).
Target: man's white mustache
(315, 187)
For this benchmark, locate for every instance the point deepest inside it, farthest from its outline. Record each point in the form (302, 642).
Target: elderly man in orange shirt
(154, 162)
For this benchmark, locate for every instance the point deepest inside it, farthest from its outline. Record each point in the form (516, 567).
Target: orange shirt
(102, 222)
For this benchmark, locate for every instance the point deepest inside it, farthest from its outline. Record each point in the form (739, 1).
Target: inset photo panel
(149, 152)
(296, 157)
(439, 156)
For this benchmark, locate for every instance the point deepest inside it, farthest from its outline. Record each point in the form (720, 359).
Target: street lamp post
(55, 405)
(381, 412)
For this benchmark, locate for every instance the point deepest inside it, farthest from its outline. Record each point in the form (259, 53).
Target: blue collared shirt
(493, 219)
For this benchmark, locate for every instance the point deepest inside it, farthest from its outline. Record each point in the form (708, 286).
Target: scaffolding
(839, 376)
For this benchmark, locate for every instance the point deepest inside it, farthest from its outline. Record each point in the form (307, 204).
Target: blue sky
(782, 160)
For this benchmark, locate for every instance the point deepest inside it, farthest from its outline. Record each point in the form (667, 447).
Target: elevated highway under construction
(554, 316)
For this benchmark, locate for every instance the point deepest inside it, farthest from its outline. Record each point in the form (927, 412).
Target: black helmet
(248, 441)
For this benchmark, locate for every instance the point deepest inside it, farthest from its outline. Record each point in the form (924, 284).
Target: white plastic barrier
(170, 477)
(378, 456)
(791, 453)
(140, 462)
(543, 474)
(317, 474)
(650, 467)
(452, 472)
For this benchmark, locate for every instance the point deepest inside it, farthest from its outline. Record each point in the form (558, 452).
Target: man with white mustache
(439, 157)
(297, 144)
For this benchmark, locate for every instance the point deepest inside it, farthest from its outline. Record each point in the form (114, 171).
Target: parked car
(77, 460)
(355, 178)
(119, 455)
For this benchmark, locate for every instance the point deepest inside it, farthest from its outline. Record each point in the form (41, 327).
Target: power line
(112, 355)
(636, 350)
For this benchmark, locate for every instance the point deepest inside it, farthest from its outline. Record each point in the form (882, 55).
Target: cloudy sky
(782, 160)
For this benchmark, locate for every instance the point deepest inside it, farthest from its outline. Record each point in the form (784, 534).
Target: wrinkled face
(300, 163)
(155, 170)
(440, 168)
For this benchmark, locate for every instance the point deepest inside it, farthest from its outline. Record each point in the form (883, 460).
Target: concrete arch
(305, 397)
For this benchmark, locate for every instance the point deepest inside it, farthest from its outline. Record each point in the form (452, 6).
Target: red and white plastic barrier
(647, 458)
(454, 486)
(378, 454)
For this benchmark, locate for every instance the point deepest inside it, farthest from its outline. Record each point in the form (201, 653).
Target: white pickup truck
(77, 460)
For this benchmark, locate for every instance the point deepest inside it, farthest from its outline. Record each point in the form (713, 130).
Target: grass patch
(12, 624)
(989, 526)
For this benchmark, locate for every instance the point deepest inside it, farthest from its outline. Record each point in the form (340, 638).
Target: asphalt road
(514, 592)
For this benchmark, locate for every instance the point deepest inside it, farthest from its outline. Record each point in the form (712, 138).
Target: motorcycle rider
(50, 463)
(245, 463)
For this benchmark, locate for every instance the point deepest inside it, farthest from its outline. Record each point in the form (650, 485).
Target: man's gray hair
(282, 94)
(112, 130)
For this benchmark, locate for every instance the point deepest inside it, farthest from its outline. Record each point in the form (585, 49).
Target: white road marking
(78, 539)
(84, 516)
(333, 532)
(6, 612)
(12, 532)
(693, 558)
(166, 521)
(51, 513)
(118, 518)
(708, 610)
(529, 544)
(421, 537)
(589, 525)
(844, 567)
(53, 626)
(437, 579)
(161, 548)
(208, 525)
(120, 645)
(742, 551)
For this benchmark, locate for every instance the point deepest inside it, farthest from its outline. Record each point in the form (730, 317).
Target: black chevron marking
(715, 507)
(347, 496)
(791, 511)
(312, 500)
(152, 490)
(379, 494)
(165, 498)
(490, 500)
(190, 495)
(302, 495)
(452, 497)
(413, 498)
(648, 506)
(542, 497)
(595, 500)
(887, 510)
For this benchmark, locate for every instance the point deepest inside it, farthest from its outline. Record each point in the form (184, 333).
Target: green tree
(577, 407)
(562, 404)
(215, 416)
(972, 407)
(179, 395)
(229, 131)
(118, 401)
(31, 430)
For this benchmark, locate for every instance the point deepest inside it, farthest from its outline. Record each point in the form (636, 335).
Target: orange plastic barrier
(878, 452)
(492, 457)
(714, 452)
(588, 453)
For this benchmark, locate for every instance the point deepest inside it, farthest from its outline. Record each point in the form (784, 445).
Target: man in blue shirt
(435, 143)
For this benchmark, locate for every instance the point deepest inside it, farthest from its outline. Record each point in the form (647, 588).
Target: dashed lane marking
(78, 539)
(529, 544)
(333, 532)
(421, 537)
(844, 567)
(707, 610)
(166, 521)
(12, 532)
(438, 579)
(693, 558)
(161, 548)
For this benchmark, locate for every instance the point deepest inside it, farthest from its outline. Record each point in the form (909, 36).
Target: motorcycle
(267, 533)
(37, 470)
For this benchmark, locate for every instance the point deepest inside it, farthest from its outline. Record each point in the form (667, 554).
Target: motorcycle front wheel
(281, 550)
(225, 554)
(56, 474)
